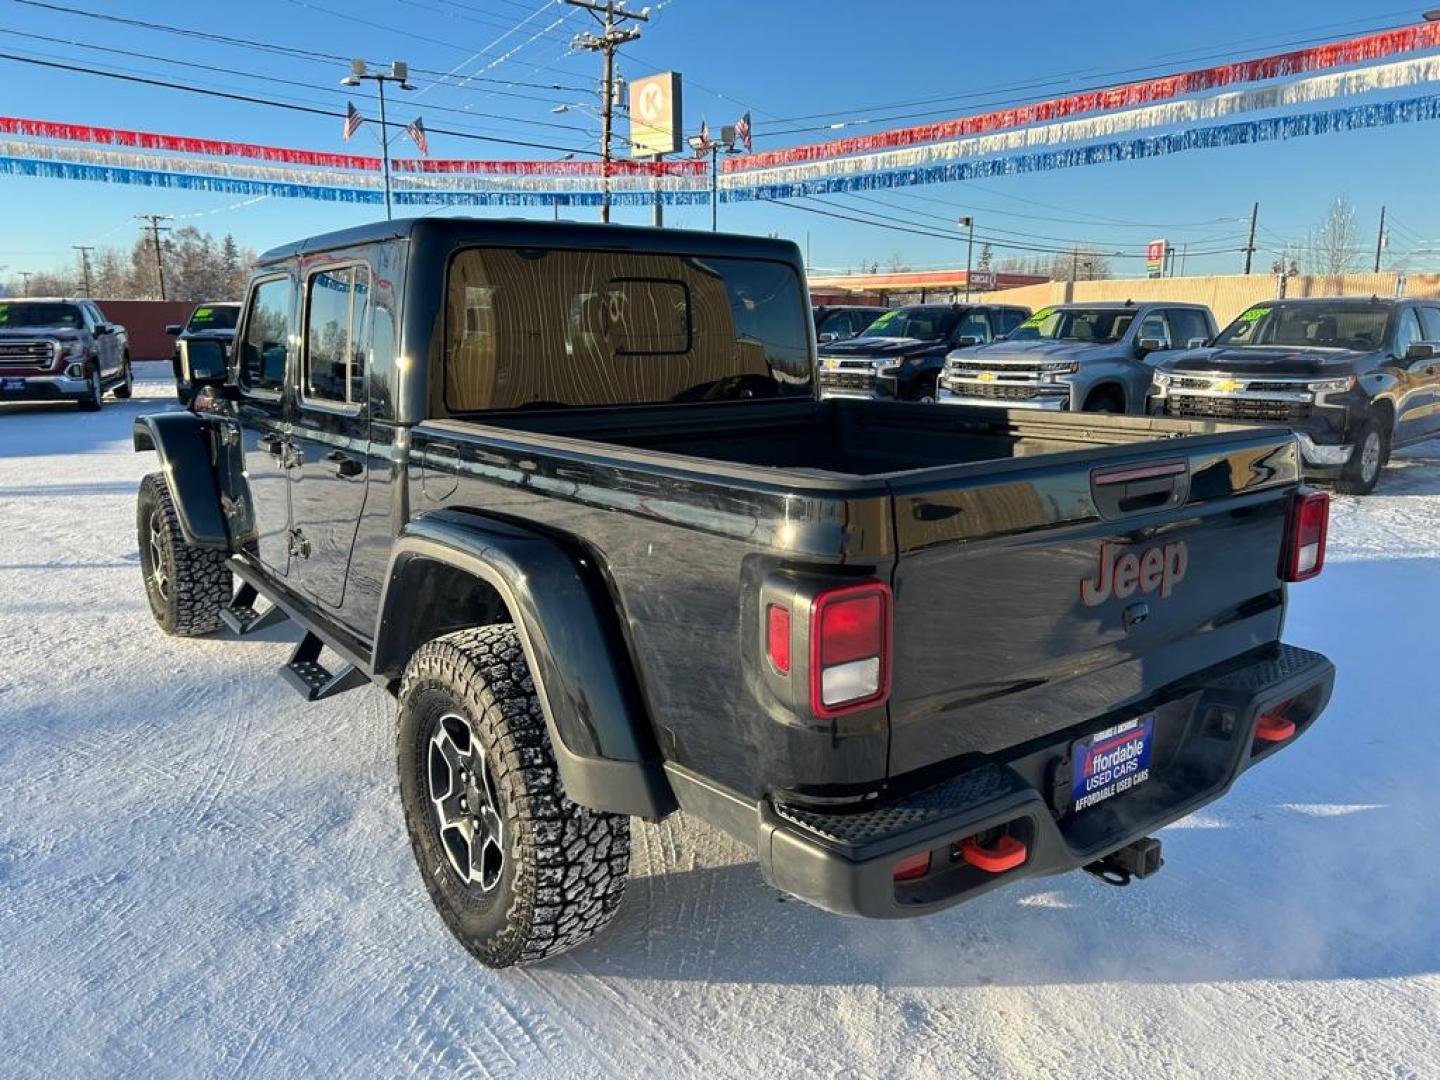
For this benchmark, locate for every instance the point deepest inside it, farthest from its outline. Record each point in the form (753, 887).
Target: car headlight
(1331, 386)
(1159, 380)
(887, 367)
(1060, 368)
(76, 350)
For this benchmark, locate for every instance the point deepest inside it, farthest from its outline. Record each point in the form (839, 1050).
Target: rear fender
(182, 444)
(452, 569)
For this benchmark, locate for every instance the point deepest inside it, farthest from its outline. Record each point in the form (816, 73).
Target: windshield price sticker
(1255, 314)
(1112, 761)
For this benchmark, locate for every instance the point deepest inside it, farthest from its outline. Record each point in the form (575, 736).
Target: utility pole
(399, 73)
(1250, 244)
(84, 267)
(155, 230)
(615, 34)
(969, 250)
(1380, 240)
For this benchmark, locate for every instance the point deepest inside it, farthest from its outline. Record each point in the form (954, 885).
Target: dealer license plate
(1111, 761)
(12, 384)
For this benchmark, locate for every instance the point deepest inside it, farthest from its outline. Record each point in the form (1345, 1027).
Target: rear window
(56, 316)
(212, 317)
(546, 328)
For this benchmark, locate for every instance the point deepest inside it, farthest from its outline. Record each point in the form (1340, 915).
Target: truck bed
(984, 523)
(848, 437)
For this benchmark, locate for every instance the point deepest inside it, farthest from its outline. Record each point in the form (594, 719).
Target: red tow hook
(1005, 854)
(1274, 727)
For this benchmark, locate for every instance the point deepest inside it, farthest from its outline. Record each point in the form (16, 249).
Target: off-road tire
(127, 381)
(1362, 472)
(194, 583)
(565, 866)
(91, 400)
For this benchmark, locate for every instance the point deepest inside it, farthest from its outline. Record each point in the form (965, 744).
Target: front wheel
(517, 870)
(94, 394)
(186, 586)
(1362, 471)
(127, 382)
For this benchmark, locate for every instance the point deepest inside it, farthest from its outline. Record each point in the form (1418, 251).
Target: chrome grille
(26, 353)
(1237, 408)
(995, 391)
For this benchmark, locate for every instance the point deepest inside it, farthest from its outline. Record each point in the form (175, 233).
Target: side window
(337, 301)
(1154, 326)
(91, 316)
(267, 335)
(975, 324)
(1188, 325)
(1407, 333)
(1430, 323)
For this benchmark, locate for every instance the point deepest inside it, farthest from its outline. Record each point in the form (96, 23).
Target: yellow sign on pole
(655, 126)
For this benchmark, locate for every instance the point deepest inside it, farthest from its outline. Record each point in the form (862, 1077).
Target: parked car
(62, 350)
(1082, 357)
(568, 492)
(841, 322)
(1353, 378)
(213, 321)
(900, 354)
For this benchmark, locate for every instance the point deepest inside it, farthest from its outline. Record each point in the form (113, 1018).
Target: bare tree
(895, 264)
(987, 257)
(1333, 247)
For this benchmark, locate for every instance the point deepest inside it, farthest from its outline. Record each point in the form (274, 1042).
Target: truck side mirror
(1423, 350)
(1197, 343)
(1151, 344)
(203, 362)
(101, 329)
(966, 341)
(829, 336)
(173, 329)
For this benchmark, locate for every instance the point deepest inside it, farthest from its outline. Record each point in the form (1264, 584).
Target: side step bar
(242, 618)
(305, 673)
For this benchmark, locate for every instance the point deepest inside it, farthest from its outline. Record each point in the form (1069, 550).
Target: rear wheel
(1362, 471)
(94, 394)
(518, 872)
(127, 382)
(186, 586)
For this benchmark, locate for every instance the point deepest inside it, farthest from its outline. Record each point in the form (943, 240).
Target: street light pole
(400, 73)
(969, 251)
(700, 144)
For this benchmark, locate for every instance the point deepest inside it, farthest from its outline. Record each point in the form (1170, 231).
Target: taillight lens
(1307, 527)
(912, 867)
(777, 633)
(849, 648)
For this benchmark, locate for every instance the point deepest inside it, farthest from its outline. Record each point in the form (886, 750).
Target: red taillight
(849, 648)
(912, 867)
(1306, 528)
(777, 637)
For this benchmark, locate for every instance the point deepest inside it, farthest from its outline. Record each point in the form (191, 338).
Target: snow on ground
(200, 875)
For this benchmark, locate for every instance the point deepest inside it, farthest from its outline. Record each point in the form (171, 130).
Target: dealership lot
(202, 875)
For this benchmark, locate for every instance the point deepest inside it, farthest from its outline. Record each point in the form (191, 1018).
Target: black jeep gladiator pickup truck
(570, 494)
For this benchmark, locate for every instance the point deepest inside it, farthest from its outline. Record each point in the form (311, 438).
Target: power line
(263, 46)
(252, 99)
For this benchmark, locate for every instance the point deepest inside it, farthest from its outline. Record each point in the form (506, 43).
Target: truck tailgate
(1059, 588)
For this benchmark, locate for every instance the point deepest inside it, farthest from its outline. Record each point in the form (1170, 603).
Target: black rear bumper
(1205, 738)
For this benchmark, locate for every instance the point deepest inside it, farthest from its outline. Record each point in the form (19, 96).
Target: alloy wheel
(467, 810)
(1370, 456)
(158, 577)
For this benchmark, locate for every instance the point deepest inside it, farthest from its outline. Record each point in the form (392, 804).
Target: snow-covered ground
(202, 876)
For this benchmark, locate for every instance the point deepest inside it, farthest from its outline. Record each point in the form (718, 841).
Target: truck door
(1430, 326)
(264, 340)
(1414, 392)
(331, 433)
(107, 346)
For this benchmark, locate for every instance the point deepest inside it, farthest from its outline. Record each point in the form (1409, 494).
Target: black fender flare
(181, 442)
(598, 726)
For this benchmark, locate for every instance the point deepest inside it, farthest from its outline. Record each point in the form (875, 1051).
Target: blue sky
(796, 58)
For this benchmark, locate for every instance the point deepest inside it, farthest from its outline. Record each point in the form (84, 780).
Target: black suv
(900, 355)
(208, 322)
(841, 322)
(1353, 377)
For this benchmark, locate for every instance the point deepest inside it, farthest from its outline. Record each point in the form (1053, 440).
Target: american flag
(704, 132)
(742, 131)
(416, 131)
(353, 120)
